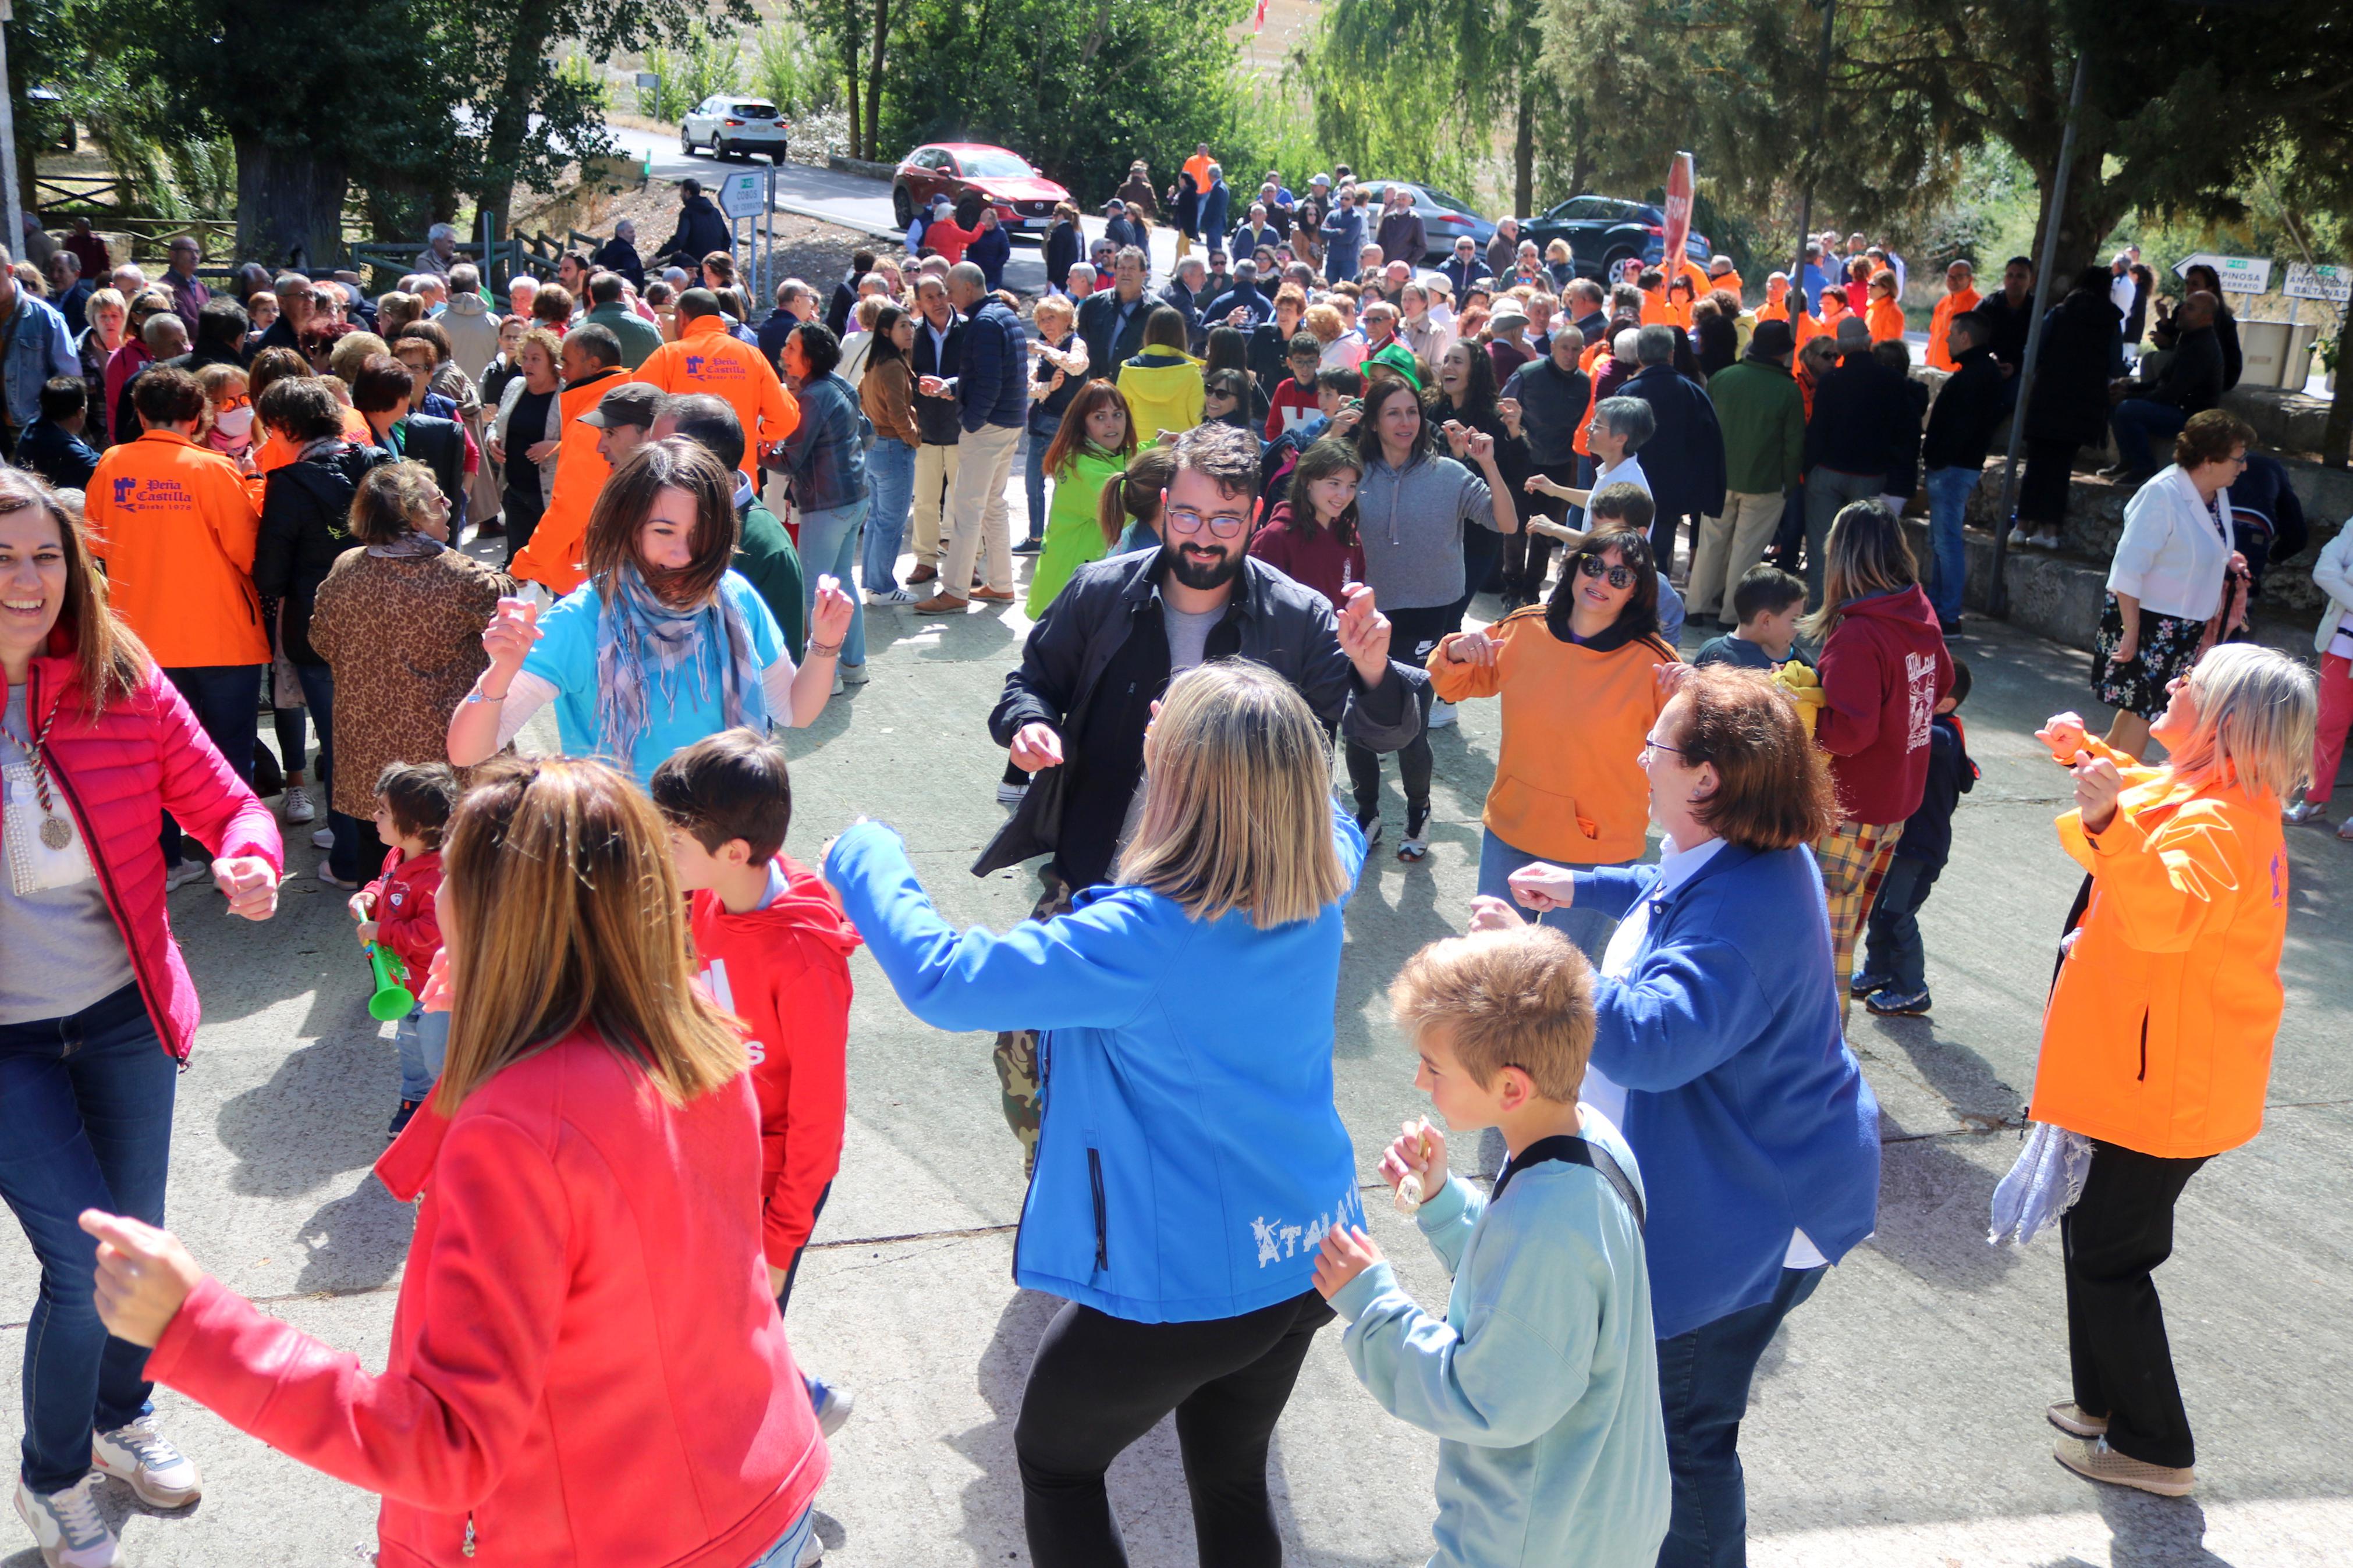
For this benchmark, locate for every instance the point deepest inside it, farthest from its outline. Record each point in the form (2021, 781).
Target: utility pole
(14, 237)
(1806, 207)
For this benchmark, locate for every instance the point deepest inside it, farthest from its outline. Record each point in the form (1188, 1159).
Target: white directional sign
(744, 194)
(2324, 281)
(2239, 273)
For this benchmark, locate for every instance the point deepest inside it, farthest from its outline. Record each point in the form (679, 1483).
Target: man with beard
(1074, 713)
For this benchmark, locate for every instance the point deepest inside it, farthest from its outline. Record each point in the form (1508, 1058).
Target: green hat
(1399, 358)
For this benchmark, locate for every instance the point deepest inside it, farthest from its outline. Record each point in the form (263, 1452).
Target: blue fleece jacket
(1542, 1381)
(1190, 1156)
(1749, 1114)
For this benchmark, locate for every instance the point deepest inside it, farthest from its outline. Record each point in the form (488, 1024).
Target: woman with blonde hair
(2156, 1044)
(1190, 1155)
(568, 1275)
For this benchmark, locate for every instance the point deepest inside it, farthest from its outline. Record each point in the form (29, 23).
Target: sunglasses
(1183, 522)
(1594, 566)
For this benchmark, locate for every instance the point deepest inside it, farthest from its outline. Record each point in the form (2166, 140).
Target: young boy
(1766, 605)
(1894, 978)
(412, 802)
(1542, 1381)
(1294, 403)
(775, 950)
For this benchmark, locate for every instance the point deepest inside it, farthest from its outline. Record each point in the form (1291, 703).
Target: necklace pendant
(57, 832)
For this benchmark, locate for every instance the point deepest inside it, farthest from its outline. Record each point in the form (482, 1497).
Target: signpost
(1678, 224)
(748, 198)
(2324, 280)
(2239, 273)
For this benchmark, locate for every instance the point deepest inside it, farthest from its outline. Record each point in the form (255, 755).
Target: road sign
(647, 81)
(743, 193)
(2239, 273)
(2325, 282)
(1679, 210)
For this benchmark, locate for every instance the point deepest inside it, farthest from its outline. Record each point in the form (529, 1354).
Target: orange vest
(2158, 1032)
(553, 556)
(706, 359)
(1729, 283)
(1774, 311)
(175, 525)
(1940, 357)
(1886, 320)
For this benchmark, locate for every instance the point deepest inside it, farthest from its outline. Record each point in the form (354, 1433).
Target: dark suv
(1602, 231)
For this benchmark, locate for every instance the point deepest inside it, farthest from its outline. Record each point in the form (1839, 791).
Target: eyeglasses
(1653, 743)
(1619, 576)
(1225, 527)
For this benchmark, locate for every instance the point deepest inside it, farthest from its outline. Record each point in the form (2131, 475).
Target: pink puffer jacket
(119, 772)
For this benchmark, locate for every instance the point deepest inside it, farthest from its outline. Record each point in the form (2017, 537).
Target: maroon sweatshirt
(1884, 670)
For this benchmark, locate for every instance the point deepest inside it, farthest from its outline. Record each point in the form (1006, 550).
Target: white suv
(732, 127)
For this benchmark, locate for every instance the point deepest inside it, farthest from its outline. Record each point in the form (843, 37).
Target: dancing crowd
(1263, 504)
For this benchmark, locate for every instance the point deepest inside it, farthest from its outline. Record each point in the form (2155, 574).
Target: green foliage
(786, 69)
(708, 60)
(580, 75)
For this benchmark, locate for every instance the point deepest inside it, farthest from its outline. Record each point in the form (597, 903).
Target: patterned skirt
(2168, 646)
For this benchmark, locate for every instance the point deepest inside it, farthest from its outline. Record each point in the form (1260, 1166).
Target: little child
(775, 949)
(1542, 1381)
(1766, 604)
(1894, 978)
(1294, 401)
(412, 802)
(228, 427)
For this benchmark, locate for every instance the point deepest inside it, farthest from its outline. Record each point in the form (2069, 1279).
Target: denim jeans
(1892, 936)
(226, 699)
(319, 695)
(830, 544)
(2137, 421)
(787, 1551)
(423, 1040)
(85, 1122)
(1033, 472)
(1589, 932)
(1704, 1378)
(891, 481)
(1948, 502)
(1827, 492)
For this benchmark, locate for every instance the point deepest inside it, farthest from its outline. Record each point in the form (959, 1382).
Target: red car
(1023, 197)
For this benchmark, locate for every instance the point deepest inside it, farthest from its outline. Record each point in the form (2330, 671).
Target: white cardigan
(2333, 575)
(2171, 558)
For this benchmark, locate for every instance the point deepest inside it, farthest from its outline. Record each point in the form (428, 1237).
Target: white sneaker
(185, 872)
(139, 1456)
(1010, 793)
(324, 839)
(890, 596)
(1441, 714)
(327, 875)
(851, 674)
(299, 809)
(67, 1525)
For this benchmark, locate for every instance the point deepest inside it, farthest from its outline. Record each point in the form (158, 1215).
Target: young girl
(1092, 446)
(1129, 512)
(1311, 537)
(228, 413)
(1225, 400)
(412, 802)
(543, 1277)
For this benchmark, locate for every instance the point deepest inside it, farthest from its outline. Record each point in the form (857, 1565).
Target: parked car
(1603, 231)
(735, 127)
(1023, 197)
(1444, 219)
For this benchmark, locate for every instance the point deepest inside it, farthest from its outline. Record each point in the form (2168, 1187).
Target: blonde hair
(350, 354)
(1323, 322)
(562, 912)
(1515, 998)
(1866, 555)
(1238, 802)
(2256, 712)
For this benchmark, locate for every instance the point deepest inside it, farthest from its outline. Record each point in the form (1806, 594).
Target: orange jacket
(177, 524)
(1729, 283)
(2158, 1032)
(1951, 305)
(277, 452)
(1886, 318)
(553, 556)
(1774, 310)
(706, 359)
(1566, 786)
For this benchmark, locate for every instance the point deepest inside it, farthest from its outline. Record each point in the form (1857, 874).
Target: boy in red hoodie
(775, 949)
(412, 802)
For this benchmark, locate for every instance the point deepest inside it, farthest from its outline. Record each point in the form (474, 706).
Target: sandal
(1415, 845)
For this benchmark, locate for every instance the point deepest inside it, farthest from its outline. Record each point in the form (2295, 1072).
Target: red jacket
(586, 1368)
(145, 755)
(784, 970)
(1884, 670)
(404, 897)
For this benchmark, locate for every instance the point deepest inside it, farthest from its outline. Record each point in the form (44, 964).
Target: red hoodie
(784, 970)
(404, 899)
(1884, 670)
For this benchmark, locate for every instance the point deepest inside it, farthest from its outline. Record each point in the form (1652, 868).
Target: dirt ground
(803, 247)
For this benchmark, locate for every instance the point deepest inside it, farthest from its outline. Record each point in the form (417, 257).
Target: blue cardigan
(1749, 1113)
(1190, 1156)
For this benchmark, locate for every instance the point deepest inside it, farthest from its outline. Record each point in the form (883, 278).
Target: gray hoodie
(1411, 525)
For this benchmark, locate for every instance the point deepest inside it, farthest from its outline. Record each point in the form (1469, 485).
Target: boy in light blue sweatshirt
(1541, 1382)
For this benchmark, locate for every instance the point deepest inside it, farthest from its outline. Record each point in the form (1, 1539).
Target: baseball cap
(1321, 180)
(631, 403)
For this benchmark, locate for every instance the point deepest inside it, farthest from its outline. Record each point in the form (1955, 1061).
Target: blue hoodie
(1190, 1156)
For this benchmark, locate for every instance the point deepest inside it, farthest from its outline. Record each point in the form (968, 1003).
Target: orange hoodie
(1566, 785)
(2159, 1029)
(705, 358)
(1886, 318)
(553, 555)
(176, 525)
(1951, 305)
(784, 970)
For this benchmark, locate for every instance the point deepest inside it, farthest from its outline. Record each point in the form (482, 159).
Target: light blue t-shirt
(565, 658)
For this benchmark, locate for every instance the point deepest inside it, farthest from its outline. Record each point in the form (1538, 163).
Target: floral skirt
(2168, 646)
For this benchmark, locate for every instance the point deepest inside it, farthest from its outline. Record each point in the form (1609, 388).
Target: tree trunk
(529, 26)
(874, 81)
(2093, 209)
(2336, 440)
(850, 75)
(289, 202)
(1523, 148)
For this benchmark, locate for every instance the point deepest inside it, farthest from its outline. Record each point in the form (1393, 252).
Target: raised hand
(1542, 887)
(1036, 747)
(1364, 636)
(1418, 1153)
(509, 638)
(2097, 785)
(1481, 447)
(2064, 734)
(829, 614)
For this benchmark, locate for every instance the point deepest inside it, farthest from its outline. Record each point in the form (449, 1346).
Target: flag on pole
(1258, 21)
(1679, 214)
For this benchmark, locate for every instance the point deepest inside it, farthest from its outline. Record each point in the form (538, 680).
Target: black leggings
(1412, 634)
(1100, 1382)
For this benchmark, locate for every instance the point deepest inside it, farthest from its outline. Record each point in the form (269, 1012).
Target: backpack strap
(1570, 1151)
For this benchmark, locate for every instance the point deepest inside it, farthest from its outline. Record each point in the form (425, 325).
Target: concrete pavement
(1897, 1422)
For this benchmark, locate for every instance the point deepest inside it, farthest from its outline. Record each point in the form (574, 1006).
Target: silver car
(735, 127)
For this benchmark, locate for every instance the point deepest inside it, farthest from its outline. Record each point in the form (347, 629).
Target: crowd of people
(1261, 503)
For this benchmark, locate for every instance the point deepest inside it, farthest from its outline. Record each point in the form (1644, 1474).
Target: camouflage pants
(1017, 1049)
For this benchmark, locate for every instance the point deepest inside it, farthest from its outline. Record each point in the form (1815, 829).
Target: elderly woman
(399, 621)
(108, 317)
(2156, 1044)
(1719, 1056)
(2165, 602)
(526, 432)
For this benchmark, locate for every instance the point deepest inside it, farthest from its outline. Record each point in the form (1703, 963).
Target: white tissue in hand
(1409, 1193)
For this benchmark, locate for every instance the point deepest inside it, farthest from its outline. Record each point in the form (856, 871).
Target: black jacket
(2267, 514)
(1187, 304)
(838, 309)
(1928, 832)
(1271, 619)
(1903, 464)
(1684, 460)
(1268, 357)
(1860, 410)
(936, 419)
(2007, 329)
(1248, 297)
(1097, 314)
(1961, 420)
(1065, 248)
(1553, 402)
(2192, 380)
(702, 229)
(59, 456)
(618, 255)
(306, 513)
(2070, 401)
(440, 445)
(1462, 276)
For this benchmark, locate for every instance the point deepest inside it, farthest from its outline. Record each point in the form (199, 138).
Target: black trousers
(1100, 1382)
(2043, 488)
(1412, 634)
(1526, 555)
(2115, 1238)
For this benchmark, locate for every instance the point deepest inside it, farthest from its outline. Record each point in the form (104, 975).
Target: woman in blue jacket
(1190, 1157)
(1720, 1056)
